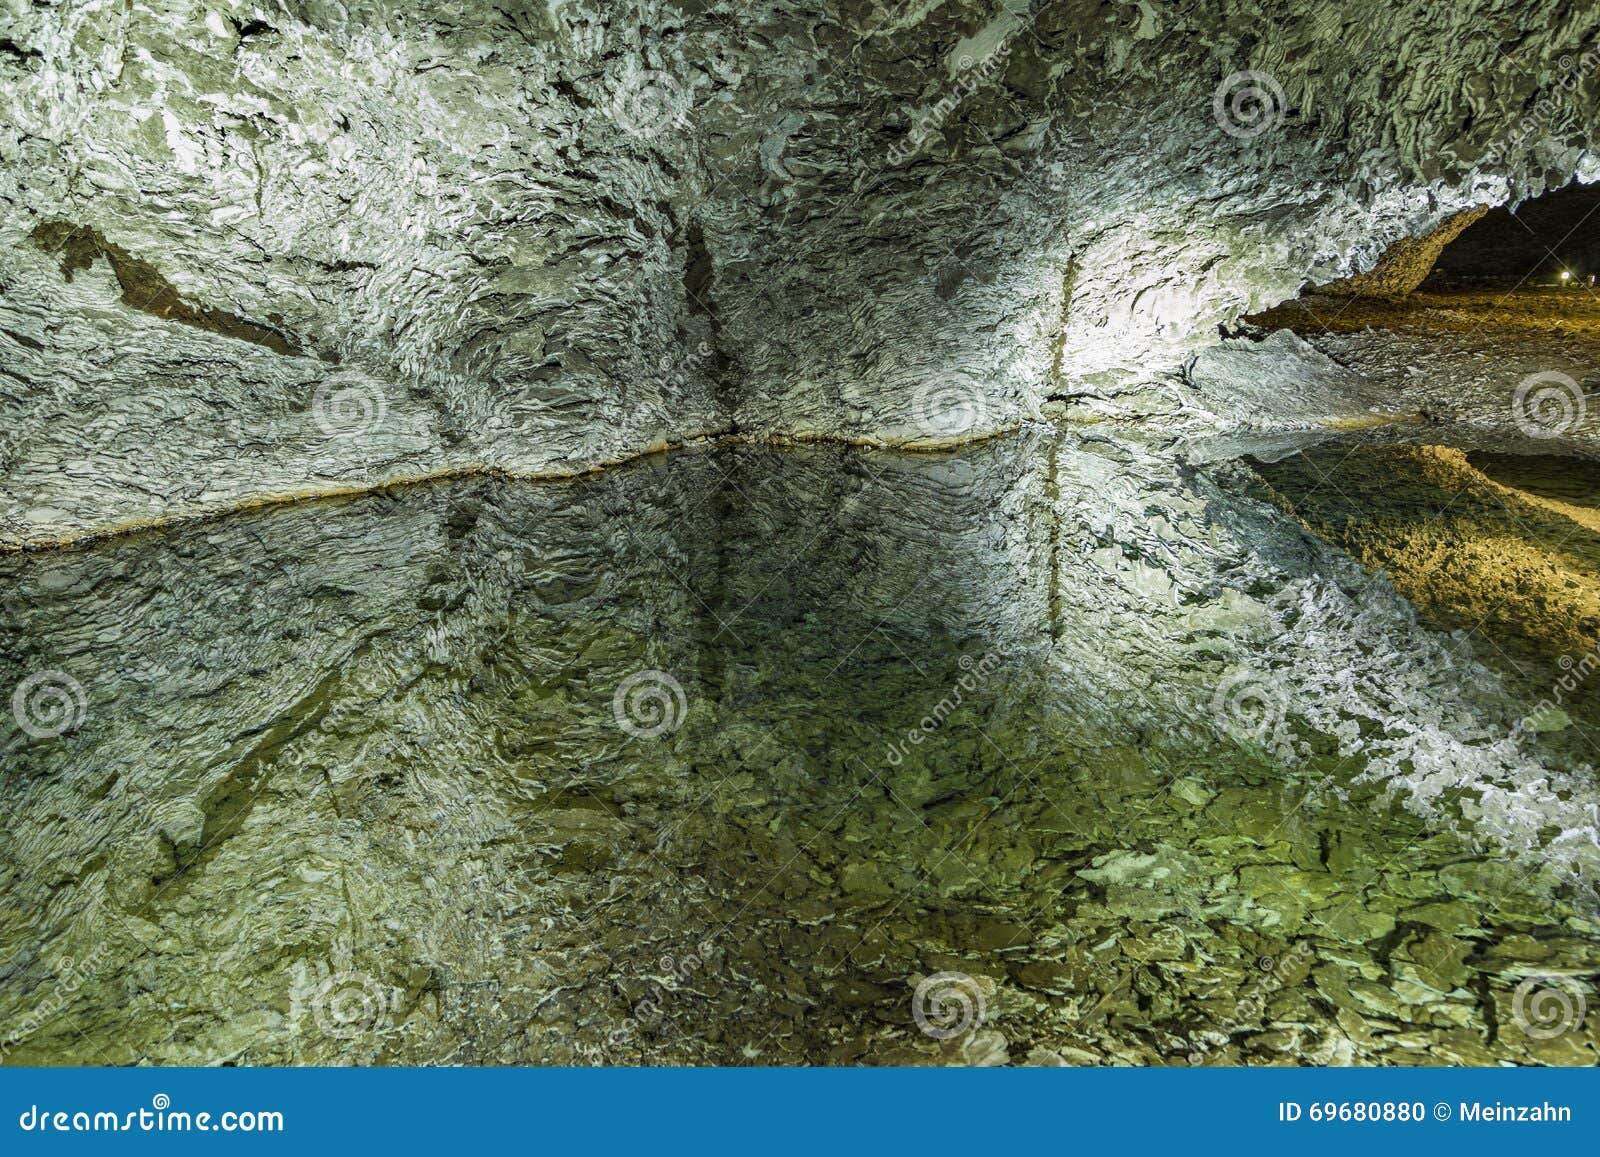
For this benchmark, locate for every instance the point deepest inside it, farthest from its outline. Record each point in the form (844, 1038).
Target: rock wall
(1405, 264)
(249, 251)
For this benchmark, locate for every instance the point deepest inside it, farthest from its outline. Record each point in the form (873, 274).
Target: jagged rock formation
(1405, 264)
(466, 772)
(251, 251)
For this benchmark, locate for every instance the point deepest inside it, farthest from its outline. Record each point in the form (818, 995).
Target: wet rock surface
(1493, 368)
(1506, 546)
(722, 757)
(1085, 744)
(1406, 263)
(533, 238)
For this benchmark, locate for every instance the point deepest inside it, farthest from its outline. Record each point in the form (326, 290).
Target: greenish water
(744, 757)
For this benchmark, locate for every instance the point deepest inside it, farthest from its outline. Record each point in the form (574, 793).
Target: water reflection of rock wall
(306, 733)
(627, 769)
(388, 727)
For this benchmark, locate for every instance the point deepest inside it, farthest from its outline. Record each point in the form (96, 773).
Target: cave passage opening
(1546, 242)
(1476, 490)
(1530, 265)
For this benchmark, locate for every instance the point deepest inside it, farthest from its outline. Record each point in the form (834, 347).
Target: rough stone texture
(1504, 545)
(349, 783)
(1405, 264)
(535, 237)
(1495, 368)
(371, 746)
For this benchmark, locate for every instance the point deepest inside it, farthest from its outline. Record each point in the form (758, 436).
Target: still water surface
(733, 757)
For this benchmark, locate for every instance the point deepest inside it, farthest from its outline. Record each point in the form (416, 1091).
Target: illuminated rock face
(466, 772)
(251, 252)
(1406, 263)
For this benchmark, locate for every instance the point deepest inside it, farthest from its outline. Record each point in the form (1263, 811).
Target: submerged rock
(482, 771)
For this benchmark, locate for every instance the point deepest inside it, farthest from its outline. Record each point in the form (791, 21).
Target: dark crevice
(248, 28)
(145, 289)
(699, 283)
(14, 50)
(22, 339)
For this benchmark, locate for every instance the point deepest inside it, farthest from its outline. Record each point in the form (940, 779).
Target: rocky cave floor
(353, 783)
(1549, 311)
(1454, 357)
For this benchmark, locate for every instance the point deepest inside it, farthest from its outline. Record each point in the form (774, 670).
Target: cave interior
(972, 532)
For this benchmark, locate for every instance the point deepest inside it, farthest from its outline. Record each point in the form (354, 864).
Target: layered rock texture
(722, 754)
(1406, 263)
(253, 251)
